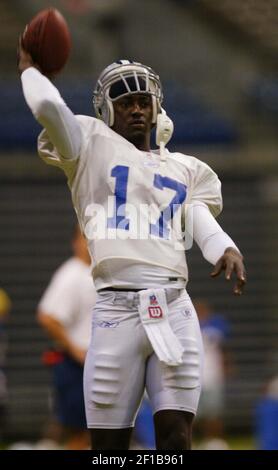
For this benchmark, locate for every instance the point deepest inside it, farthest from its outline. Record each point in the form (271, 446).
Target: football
(47, 39)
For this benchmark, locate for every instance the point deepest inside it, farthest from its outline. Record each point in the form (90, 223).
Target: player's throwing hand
(24, 59)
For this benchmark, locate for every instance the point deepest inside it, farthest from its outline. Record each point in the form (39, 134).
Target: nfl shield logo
(153, 300)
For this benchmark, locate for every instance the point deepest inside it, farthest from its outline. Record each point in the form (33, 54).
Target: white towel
(153, 311)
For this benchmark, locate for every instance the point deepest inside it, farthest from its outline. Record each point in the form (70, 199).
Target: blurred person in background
(218, 366)
(5, 307)
(266, 417)
(144, 434)
(65, 312)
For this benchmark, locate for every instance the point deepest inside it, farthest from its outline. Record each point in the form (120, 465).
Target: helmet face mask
(124, 78)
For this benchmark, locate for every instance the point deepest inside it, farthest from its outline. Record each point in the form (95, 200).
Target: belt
(113, 289)
(171, 293)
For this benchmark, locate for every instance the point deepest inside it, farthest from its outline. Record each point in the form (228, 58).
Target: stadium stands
(256, 18)
(195, 122)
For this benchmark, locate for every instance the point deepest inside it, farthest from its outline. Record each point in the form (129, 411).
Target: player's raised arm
(42, 96)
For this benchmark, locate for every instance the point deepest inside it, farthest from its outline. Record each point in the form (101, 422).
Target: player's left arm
(217, 247)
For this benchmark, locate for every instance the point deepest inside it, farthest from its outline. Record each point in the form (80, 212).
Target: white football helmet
(123, 78)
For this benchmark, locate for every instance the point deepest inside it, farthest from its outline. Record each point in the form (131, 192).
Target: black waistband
(116, 289)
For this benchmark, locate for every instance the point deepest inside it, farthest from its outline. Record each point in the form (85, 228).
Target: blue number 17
(159, 228)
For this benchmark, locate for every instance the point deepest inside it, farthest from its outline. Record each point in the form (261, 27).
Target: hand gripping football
(47, 39)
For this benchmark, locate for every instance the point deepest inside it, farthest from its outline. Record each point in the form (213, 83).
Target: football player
(137, 208)
(64, 312)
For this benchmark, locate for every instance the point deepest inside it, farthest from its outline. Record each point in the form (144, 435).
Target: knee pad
(106, 382)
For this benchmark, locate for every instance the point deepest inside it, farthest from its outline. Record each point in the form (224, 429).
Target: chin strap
(164, 131)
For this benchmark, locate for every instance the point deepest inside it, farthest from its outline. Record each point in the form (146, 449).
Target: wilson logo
(155, 312)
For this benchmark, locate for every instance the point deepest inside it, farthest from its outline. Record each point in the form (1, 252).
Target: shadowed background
(217, 60)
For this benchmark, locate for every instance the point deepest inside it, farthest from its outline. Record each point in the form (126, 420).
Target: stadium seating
(194, 122)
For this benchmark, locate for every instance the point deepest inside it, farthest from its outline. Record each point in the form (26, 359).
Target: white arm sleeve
(208, 234)
(52, 113)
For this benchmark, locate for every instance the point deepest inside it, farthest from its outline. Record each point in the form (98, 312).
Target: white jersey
(70, 298)
(111, 172)
(135, 211)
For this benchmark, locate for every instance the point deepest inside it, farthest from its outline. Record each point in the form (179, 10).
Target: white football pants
(121, 363)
